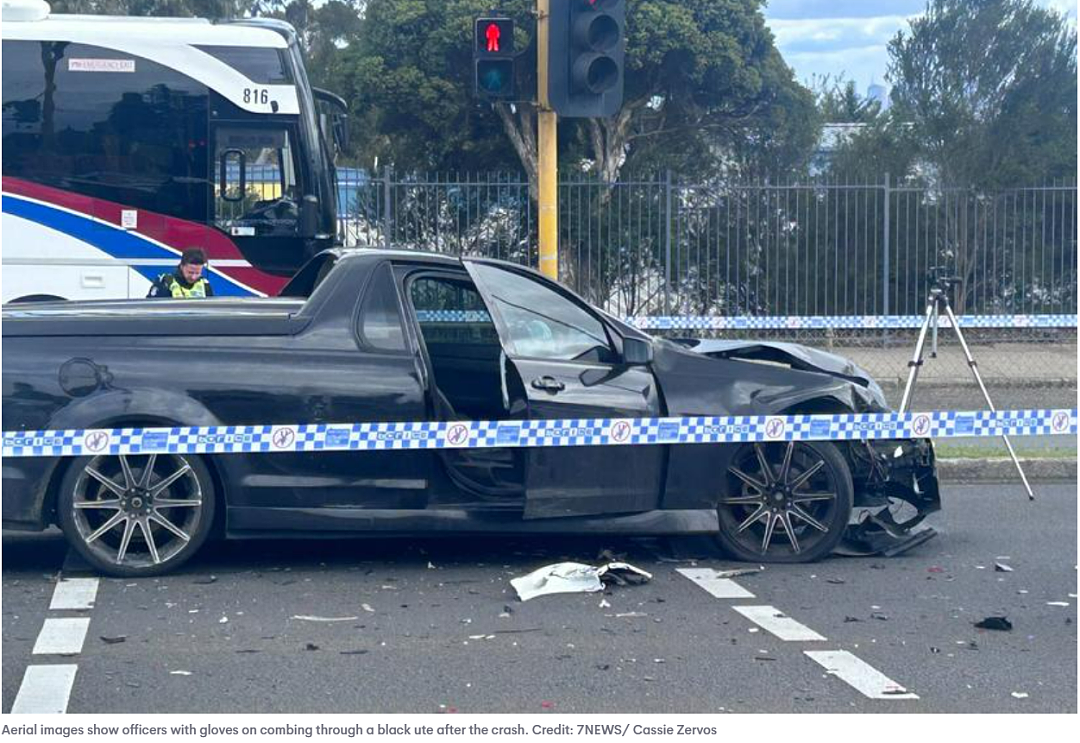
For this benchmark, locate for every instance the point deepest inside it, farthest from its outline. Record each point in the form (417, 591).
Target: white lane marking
(44, 690)
(62, 636)
(771, 619)
(75, 594)
(721, 588)
(866, 679)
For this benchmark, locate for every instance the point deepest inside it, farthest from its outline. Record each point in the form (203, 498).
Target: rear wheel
(136, 515)
(785, 502)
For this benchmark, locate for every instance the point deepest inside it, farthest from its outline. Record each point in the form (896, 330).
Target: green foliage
(988, 88)
(838, 102)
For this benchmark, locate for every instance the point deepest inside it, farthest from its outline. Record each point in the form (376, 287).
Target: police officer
(187, 281)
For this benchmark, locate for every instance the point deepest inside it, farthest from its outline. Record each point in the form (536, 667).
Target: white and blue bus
(127, 140)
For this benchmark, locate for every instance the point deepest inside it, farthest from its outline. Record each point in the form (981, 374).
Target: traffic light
(586, 49)
(493, 58)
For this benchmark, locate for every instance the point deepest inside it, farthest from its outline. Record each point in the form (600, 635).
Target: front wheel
(785, 502)
(131, 515)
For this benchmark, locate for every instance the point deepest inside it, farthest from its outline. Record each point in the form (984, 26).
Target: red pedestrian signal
(492, 33)
(493, 58)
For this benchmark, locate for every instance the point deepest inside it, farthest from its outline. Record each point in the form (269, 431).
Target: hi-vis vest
(197, 290)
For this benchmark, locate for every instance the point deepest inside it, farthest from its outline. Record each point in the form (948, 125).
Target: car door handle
(548, 384)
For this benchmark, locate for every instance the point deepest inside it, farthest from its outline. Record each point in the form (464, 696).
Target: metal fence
(656, 245)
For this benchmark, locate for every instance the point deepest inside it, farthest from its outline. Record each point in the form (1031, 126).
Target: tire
(784, 502)
(131, 516)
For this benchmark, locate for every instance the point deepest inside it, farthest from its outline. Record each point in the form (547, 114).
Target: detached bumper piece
(899, 489)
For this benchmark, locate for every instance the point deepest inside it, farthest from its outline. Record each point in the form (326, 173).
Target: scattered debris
(879, 615)
(311, 646)
(311, 618)
(1000, 567)
(353, 652)
(836, 581)
(631, 614)
(935, 569)
(205, 581)
(1057, 603)
(431, 566)
(575, 577)
(113, 640)
(179, 673)
(1001, 624)
(367, 608)
(223, 620)
(604, 604)
(852, 619)
(1020, 695)
(764, 657)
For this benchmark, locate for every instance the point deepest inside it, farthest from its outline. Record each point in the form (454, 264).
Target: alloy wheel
(137, 512)
(786, 502)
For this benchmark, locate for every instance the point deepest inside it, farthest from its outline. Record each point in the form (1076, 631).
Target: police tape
(316, 437)
(845, 322)
(793, 322)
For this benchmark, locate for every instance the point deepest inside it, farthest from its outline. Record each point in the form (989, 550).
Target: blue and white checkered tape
(792, 322)
(317, 437)
(844, 322)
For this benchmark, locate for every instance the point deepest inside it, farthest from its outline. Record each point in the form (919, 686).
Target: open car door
(562, 363)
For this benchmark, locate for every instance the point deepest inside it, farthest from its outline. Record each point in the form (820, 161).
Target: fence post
(885, 242)
(667, 243)
(386, 207)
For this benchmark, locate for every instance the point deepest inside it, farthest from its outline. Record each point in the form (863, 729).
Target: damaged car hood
(792, 354)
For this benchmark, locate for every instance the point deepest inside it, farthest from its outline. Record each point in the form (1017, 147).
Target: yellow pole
(547, 124)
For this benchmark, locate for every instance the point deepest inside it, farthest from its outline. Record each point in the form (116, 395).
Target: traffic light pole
(547, 160)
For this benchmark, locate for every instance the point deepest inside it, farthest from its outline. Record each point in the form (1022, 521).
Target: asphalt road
(433, 625)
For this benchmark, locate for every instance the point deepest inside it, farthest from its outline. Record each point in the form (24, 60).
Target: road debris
(311, 618)
(1057, 603)
(1020, 695)
(367, 608)
(179, 673)
(576, 577)
(1001, 567)
(1001, 624)
(113, 640)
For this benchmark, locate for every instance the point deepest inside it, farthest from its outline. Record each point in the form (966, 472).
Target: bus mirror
(233, 161)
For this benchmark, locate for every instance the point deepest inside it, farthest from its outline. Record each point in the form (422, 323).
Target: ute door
(565, 365)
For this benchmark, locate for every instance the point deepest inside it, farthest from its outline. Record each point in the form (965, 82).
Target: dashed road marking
(771, 619)
(62, 636)
(45, 690)
(860, 675)
(721, 588)
(74, 594)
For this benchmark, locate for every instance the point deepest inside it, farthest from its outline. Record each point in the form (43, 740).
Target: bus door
(258, 192)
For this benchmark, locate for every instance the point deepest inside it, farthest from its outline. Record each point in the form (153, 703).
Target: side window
(543, 323)
(106, 124)
(451, 311)
(380, 315)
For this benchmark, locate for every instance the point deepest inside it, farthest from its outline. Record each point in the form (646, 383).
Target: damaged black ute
(365, 336)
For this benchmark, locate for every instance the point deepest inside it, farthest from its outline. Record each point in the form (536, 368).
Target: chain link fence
(659, 246)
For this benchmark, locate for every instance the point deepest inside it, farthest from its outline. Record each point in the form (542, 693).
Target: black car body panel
(352, 345)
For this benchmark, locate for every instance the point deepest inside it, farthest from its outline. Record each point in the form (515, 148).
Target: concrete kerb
(957, 471)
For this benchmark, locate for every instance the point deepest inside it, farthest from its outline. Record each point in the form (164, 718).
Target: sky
(848, 37)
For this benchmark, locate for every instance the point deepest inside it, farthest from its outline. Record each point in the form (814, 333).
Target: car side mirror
(636, 351)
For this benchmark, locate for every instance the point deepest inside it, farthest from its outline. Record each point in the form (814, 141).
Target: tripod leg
(978, 378)
(917, 359)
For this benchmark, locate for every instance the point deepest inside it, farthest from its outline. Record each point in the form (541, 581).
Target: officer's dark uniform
(173, 285)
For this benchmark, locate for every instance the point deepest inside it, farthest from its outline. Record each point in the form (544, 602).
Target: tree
(705, 89)
(838, 101)
(988, 88)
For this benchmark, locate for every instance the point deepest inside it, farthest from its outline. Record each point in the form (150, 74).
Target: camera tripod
(937, 303)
